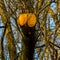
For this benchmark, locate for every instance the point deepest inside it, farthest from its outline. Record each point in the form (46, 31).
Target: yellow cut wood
(32, 20)
(22, 19)
(28, 18)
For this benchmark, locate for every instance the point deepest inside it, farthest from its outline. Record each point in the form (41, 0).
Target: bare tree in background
(42, 39)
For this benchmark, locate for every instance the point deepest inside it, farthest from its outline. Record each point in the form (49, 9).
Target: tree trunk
(28, 43)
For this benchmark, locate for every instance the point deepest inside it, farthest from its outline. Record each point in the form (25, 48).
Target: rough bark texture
(10, 43)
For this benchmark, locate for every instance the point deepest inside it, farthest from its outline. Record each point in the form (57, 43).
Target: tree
(41, 39)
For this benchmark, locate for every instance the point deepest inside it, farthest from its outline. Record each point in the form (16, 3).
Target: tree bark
(10, 42)
(28, 43)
